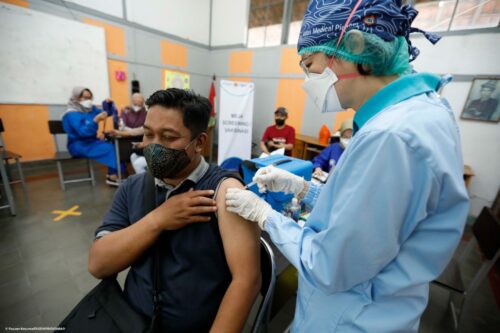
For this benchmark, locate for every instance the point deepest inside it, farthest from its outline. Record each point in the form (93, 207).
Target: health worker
(389, 218)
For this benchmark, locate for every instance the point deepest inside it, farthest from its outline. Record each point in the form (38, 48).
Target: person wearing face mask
(133, 118)
(209, 257)
(329, 157)
(389, 218)
(81, 122)
(278, 135)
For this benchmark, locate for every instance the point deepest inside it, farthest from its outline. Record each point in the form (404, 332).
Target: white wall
(229, 22)
(474, 54)
(111, 7)
(42, 67)
(189, 19)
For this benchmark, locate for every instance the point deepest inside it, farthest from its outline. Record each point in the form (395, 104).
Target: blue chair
(231, 164)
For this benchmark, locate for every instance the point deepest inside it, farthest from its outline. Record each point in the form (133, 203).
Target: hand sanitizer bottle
(295, 209)
(121, 125)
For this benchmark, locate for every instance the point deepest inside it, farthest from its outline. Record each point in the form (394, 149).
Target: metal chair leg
(463, 308)
(61, 175)
(91, 171)
(7, 169)
(7, 189)
(21, 175)
(118, 162)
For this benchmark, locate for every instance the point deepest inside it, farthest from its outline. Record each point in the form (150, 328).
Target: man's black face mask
(166, 162)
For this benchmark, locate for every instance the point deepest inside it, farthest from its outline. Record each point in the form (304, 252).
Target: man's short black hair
(195, 108)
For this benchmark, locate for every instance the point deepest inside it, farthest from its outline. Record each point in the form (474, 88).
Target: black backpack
(104, 308)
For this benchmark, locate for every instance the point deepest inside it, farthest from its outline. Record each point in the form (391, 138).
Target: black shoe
(112, 182)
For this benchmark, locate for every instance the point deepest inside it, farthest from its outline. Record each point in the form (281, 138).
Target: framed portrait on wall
(483, 102)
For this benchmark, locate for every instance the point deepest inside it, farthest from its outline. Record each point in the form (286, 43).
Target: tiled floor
(43, 264)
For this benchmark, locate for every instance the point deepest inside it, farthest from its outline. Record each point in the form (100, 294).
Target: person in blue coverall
(388, 220)
(329, 157)
(80, 121)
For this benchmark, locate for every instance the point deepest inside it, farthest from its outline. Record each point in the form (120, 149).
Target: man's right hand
(183, 209)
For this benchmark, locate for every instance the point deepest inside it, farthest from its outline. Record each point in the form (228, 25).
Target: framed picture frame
(483, 101)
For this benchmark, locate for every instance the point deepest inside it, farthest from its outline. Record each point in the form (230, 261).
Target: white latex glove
(278, 180)
(248, 205)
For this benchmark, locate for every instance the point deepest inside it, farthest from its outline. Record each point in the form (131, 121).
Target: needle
(250, 185)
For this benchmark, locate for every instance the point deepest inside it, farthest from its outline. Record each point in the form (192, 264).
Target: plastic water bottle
(295, 209)
(121, 125)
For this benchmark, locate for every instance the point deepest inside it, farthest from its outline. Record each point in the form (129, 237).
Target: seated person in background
(209, 257)
(279, 135)
(132, 118)
(80, 121)
(329, 157)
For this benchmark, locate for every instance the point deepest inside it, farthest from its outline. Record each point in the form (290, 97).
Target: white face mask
(136, 108)
(344, 142)
(321, 89)
(86, 103)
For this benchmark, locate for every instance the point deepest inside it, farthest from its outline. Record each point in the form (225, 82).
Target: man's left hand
(248, 205)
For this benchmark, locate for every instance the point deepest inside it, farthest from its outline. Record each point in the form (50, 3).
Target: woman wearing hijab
(80, 121)
(388, 220)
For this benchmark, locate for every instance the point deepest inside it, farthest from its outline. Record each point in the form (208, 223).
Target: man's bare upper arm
(240, 237)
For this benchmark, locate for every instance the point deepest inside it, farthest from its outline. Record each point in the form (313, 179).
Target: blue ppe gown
(328, 158)
(387, 221)
(83, 141)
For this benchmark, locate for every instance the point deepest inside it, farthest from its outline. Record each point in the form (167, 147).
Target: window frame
(288, 11)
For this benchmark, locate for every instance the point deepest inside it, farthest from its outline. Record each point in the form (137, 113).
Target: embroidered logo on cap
(370, 20)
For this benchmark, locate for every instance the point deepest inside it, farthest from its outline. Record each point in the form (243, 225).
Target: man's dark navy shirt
(193, 268)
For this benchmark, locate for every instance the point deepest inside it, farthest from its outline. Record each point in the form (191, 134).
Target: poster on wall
(175, 79)
(483, 101)
(235, 120)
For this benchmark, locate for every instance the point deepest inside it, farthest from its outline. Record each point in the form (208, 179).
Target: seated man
(279, 135)
(210, 258)
(133, 117)
(329, 157)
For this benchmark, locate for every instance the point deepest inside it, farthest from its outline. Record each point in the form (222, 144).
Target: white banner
(235, 120)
